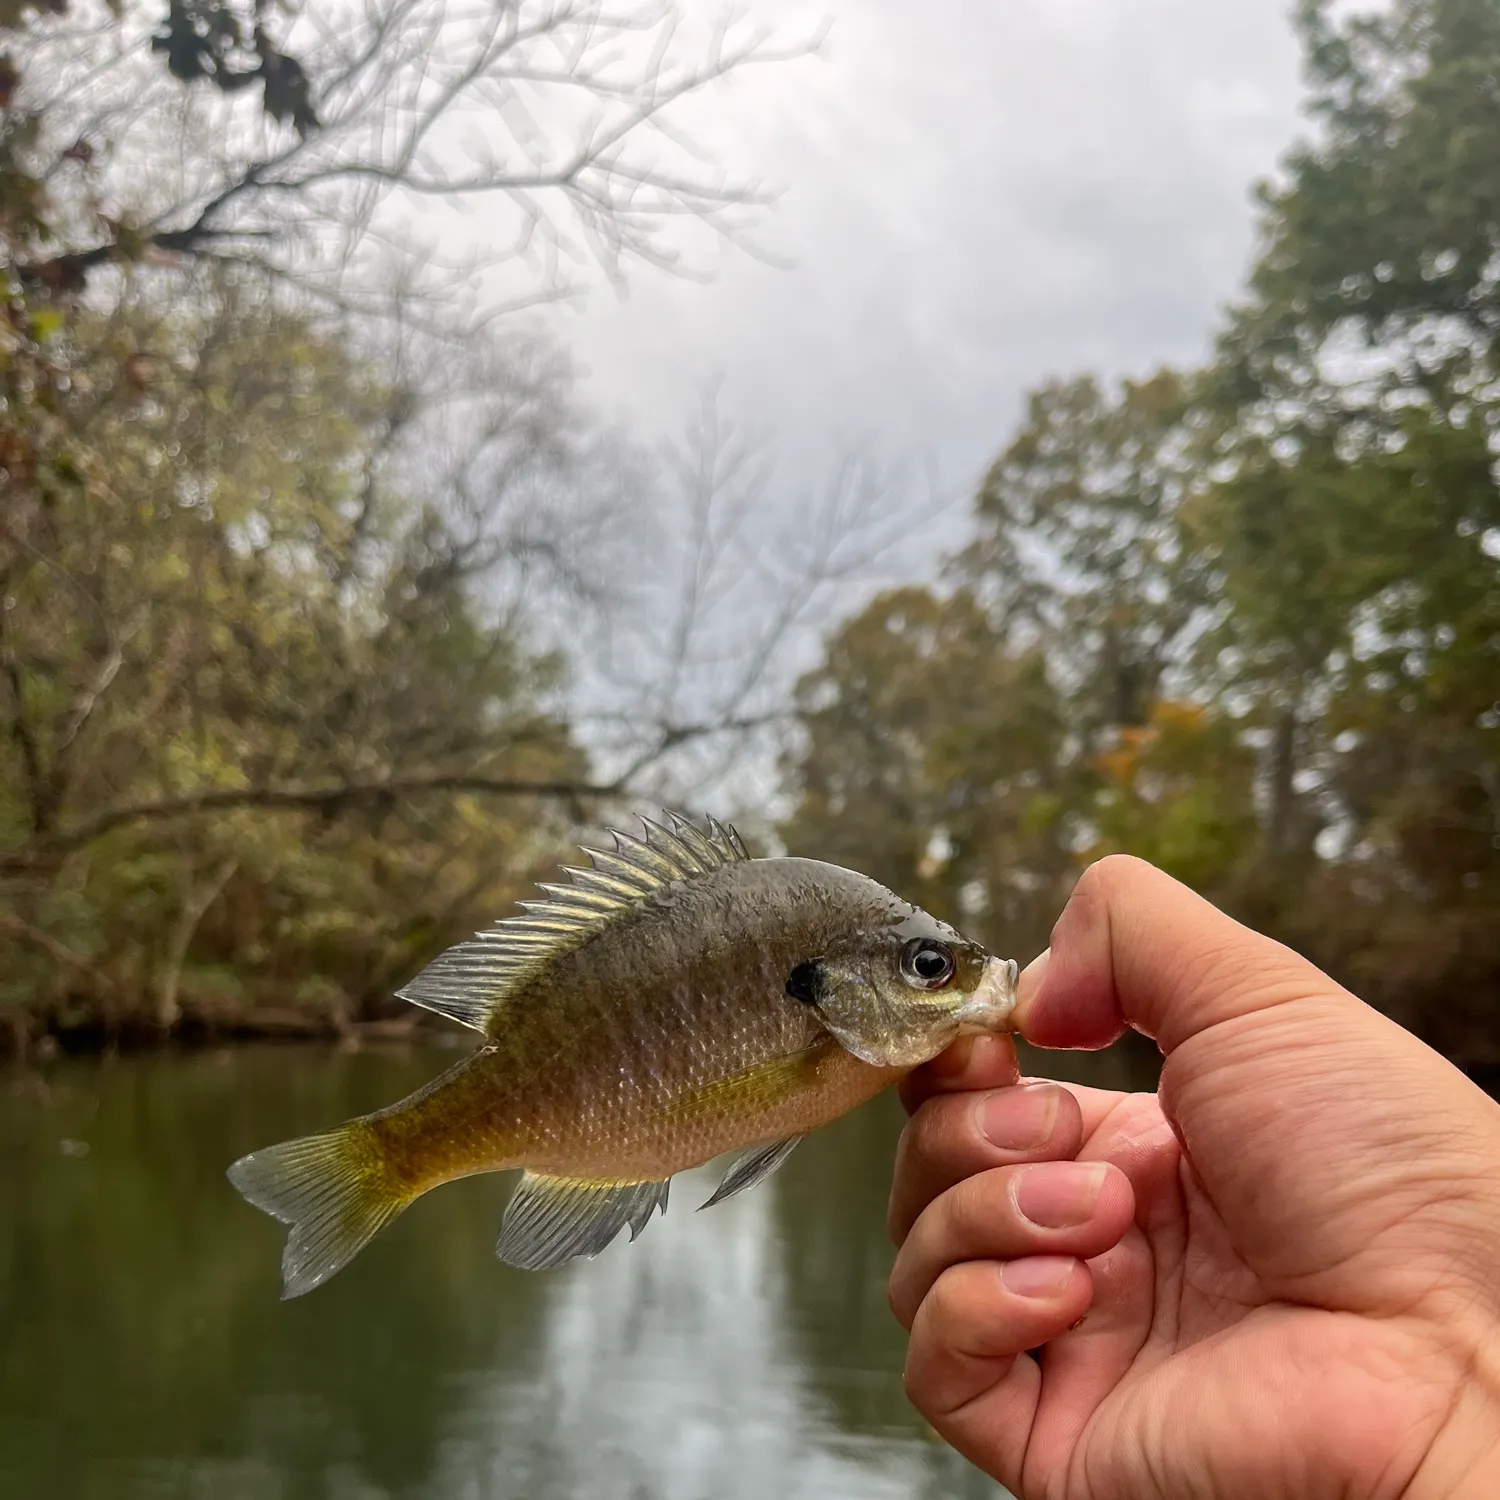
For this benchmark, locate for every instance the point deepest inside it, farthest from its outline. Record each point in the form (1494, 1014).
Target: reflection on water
(144, 1356)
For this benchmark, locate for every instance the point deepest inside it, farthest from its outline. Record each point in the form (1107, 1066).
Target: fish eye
(927, 965)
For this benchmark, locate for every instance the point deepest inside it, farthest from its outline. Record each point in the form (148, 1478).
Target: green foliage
(269, 735)
(1078, 539)
(1390, 218)
(1244, 621)
(221, 640)
(1264, 599)
(933, 759)
(1178, 791)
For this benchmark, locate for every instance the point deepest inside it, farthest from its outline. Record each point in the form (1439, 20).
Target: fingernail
(1037, 1275)
(1060, 1194)
(1020, 1119)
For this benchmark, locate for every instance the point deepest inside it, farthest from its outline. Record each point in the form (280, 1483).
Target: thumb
(1136, 948)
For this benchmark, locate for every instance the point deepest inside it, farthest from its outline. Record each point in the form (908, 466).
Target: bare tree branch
(564, 110)
(335, 799)
(742, 575)
(296, 799)
(13, 926)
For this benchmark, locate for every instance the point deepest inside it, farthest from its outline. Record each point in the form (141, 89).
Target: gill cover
(893, 1002)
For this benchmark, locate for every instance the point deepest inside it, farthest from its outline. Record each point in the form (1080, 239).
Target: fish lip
(993, 1003)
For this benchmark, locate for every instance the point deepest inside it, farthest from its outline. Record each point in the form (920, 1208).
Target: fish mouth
(993, 1003)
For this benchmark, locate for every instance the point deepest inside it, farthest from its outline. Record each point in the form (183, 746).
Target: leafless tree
(687, 689)
(444, 139)
(560, 120)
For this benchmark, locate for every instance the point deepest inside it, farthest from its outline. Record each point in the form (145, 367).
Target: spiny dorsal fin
(469, 982)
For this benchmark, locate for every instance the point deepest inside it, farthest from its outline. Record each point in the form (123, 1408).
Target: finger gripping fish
(675, 1001)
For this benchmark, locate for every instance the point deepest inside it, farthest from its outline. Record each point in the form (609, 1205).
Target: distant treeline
(253, 707)
(1243, 621)
(267, 742)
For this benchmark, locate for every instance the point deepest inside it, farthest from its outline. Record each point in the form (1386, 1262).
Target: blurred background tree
(282, 505)
(1263, 598)
(250, 690)
(287, 530)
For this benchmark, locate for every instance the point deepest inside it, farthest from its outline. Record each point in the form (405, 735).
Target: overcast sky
(976, 195)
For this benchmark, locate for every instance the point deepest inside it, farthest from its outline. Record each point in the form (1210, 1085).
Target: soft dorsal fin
(470, 982)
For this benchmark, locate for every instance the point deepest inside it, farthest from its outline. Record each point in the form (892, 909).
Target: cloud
(977, 196)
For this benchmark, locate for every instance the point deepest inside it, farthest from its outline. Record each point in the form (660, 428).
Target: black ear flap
(807, 982)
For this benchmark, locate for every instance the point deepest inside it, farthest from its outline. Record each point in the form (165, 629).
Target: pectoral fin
(552, 1220)
(753, 1167)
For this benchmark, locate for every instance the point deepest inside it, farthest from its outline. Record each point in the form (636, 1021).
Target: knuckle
(895, 1220)
(897, 1300)
(930, 1153)
(911, 1186)
(949, 1305)
(1231, 972)
(974, 1205)
(1098, 889)
(1110, 873)
(913, 1384)
(928, 1137)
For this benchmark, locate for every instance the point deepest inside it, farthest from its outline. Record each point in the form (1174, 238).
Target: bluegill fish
(675, 1001)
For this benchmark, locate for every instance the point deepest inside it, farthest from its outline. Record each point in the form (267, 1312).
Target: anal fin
(752, 1167)
(552, 1220)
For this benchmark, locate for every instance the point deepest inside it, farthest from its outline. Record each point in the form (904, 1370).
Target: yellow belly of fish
(773, 1101)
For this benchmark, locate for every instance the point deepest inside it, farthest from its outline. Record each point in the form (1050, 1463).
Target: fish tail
(334, 1192)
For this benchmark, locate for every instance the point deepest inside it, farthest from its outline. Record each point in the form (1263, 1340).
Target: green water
(746, 1352)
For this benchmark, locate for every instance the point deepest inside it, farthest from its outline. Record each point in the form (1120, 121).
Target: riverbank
(30, 1037)
(1135, 1060)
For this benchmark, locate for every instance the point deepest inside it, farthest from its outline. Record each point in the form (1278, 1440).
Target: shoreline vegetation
(268, 1025)
(307, 591)
(254, 1026)
(1131, 1063)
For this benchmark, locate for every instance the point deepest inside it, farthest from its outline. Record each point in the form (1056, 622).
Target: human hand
(1286, 1263)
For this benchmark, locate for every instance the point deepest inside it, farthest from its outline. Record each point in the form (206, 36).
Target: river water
(746, 1352)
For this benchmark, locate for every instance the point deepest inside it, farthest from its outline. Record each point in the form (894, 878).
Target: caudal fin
(332, 1192)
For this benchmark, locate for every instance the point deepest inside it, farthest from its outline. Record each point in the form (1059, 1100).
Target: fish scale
(677, 1000)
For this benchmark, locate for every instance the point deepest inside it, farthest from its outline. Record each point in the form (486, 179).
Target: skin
(1277, 1277)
